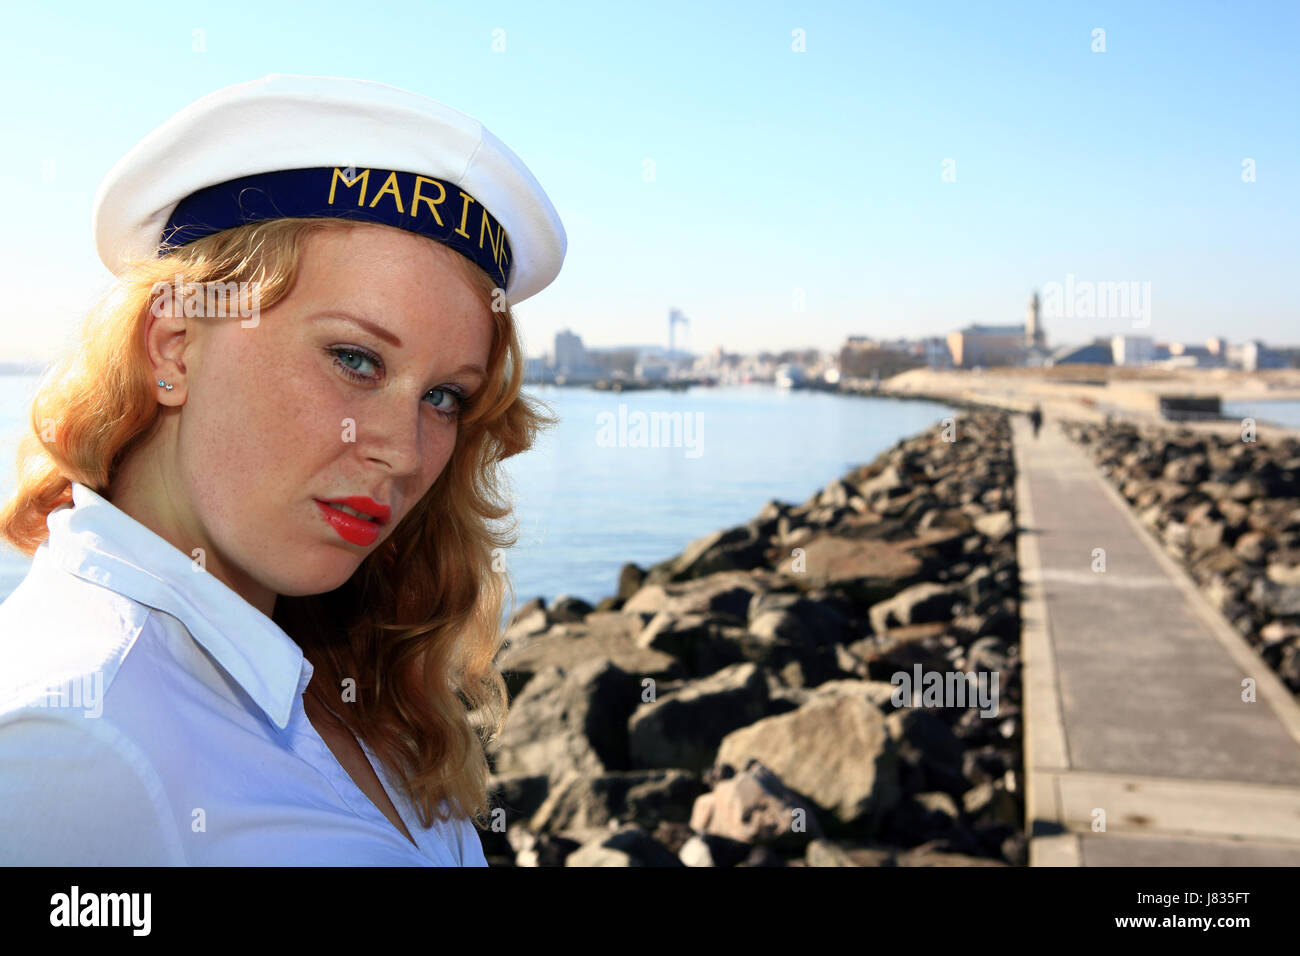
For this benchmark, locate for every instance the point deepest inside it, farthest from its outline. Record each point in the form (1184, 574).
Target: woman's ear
(166, 335)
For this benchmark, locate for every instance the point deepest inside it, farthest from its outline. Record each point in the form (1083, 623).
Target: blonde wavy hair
(418, 625)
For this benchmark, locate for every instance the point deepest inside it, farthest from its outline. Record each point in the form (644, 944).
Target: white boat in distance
(789, 376)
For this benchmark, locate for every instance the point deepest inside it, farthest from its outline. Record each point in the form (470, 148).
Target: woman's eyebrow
(371, 327)
(383, 333)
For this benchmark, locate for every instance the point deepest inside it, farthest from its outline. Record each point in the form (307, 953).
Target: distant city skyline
(785, 175)
(1032, 326)
(863, 358)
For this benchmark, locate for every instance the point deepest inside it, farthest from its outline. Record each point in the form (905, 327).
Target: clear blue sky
(775, 170)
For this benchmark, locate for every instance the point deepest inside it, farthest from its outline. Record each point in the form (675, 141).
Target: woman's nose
(393, 433)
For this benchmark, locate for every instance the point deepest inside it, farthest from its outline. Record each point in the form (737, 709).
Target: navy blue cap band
(422, 204)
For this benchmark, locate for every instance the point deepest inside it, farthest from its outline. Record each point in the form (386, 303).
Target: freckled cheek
(225, 454)
(437, 454)
(275, 424)
(312, 418)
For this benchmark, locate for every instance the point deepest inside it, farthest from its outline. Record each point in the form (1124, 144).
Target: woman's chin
(326, 576)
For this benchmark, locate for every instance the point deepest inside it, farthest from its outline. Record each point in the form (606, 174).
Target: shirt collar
(97, 541)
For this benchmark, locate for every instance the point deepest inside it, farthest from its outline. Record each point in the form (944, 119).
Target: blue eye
(342, 354)
(458, 404)
(354, 353)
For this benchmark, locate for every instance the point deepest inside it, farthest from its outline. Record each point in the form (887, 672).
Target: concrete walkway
(1133, 692)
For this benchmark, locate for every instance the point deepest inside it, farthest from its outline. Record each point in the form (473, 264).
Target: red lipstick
(350, 528)
(367, 506)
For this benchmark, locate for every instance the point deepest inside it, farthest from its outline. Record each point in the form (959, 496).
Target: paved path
(1133, 691)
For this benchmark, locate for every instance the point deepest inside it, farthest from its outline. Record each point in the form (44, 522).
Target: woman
(264, 606)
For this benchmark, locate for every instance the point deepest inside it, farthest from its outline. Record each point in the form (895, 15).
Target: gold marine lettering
(498, 241)
(431, 203)
(464, 215)
(495, 238)
(363, 177)
(389, 187)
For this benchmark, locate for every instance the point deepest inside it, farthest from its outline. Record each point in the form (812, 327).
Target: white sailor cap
(324, 146)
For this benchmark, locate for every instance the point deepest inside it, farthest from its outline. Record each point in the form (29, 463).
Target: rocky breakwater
(745, 703)
(1229, 510)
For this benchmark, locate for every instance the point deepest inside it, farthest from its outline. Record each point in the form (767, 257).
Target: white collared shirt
(150, 716)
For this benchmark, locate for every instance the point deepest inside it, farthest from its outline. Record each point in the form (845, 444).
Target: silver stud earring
(169, 387)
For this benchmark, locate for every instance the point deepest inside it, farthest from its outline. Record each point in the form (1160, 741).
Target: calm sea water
(1277, 413)
(588, 498)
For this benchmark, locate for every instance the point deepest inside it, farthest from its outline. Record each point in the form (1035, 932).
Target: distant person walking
(1036, 419)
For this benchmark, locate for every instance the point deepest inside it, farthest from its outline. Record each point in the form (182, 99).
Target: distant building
(906, 346)
(1255, 356)
(1182, 355)
(537, 369)
(1037, 354)
(1096, 352)
(652, 369)
(572, 361)
(862, 357)
(1179, 348)
(614, 361)
(934, 349)
(1289, 355)
(1034, 337)
(569, 352)
(1132, 349)
(987, 345)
